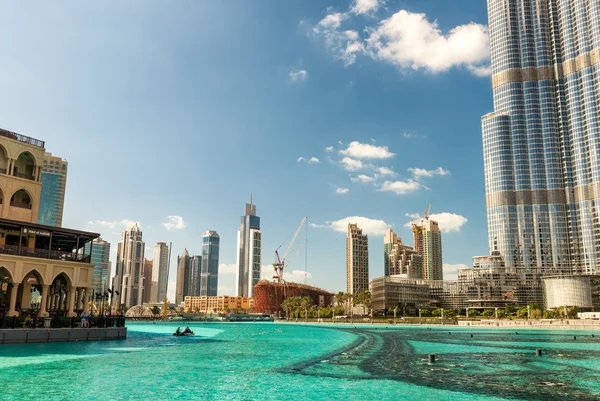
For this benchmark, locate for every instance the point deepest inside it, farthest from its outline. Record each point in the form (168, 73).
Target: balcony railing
(2, 171)
(26, 176)
(21, 205)
(22, 138)
(43, 253)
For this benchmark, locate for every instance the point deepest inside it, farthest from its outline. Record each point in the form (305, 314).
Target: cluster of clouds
(448, 222)
(360, 160)
(298, 75)
(310, 160)
(172, 223)
(407, 40)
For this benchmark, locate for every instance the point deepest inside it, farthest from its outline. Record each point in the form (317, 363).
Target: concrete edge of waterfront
(21, 336)
(543, 324)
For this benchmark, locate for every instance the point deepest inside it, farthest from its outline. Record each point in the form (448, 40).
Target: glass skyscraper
(249, 245)
(52, 195)
(541, 144)
(100, 258)
(209, 275)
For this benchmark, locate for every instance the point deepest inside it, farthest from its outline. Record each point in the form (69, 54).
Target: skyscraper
(249, 246)
(428, 244)
(129, 279)
(149, 291)
(100, 258)
(52, 196)
(160, 264)
(399, 258)
(357, 260)
(193, 289)
(540, 145)
(183, 276)
(209, 275)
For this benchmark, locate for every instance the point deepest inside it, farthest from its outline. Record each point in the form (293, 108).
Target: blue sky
(184, 108)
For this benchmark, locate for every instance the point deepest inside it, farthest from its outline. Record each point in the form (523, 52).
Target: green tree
(364, 298)
(522, 312)
(436, 313)
(155, 310)
(501, 314)
(425, 313)
(572, 312)
(474, 313)
(509, 310)
(488, 313)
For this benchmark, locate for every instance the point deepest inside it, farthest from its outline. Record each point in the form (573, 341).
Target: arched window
(25, 166)
(3, 160)
(21, 199)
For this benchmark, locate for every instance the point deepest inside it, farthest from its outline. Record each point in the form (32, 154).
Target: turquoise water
(270, 361)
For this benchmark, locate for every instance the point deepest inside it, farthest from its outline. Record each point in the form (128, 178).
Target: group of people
(187, 330)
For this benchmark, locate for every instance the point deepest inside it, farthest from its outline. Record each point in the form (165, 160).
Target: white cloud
(350, 164)
(227, 268)
(412, 135)
(365, 6)
(401, 187)
(363, 178)
(408, 40)
(448, 222)
(115, 224)
(383, 171)
(451, 270)
(298, 75)
(290, 276)
(312, 160)
(342, 190)
(367, 151)
(419, 173)
(331, 21)
(369, 226)
(329, 149)
(174, 223)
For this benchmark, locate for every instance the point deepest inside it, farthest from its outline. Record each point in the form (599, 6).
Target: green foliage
(551, 314)
(488, 313)
(474, 313)
(296, 306)
(364, 298)
(425, 313)
(155, 310)
(522, 312)
(436, 313)
(572, 312)
(502, 314)
(509, 310)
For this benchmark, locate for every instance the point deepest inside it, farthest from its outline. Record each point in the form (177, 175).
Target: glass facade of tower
(209, 276)
(100, 258)
(542, 143)
(50, 200)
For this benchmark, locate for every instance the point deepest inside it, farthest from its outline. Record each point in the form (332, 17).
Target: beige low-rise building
(218, 304)
(43, 269)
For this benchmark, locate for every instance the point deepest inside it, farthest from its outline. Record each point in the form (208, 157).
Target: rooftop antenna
(250, 198)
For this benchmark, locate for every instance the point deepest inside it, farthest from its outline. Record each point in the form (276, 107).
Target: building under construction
(268, 296)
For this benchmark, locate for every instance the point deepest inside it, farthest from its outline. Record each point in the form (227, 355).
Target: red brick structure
(269, 296)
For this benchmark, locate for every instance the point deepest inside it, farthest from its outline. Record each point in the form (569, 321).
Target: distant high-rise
(183, 276)
(129, 279)
(249, 244)
(399, 258)
(357, 260)
(428, 244)
(159, 271)
(149, 291)
(52, 196)
(100, 258)
(540, 145)
(194, 276)
(209, 275)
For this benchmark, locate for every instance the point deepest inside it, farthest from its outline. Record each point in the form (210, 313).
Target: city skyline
(308, 132)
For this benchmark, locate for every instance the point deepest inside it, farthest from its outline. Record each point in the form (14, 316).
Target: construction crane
(417, 226)
(280, 264)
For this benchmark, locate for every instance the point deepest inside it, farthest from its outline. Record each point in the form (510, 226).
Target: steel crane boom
(287, 251)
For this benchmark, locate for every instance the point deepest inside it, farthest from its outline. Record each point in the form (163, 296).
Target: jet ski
(182, 334)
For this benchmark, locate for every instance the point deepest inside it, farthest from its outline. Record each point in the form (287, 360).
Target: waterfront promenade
(47, 335)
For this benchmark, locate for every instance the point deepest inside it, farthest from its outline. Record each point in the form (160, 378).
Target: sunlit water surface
(270, 361)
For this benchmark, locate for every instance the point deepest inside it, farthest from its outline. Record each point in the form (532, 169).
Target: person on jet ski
(187, 331)
(178, 331)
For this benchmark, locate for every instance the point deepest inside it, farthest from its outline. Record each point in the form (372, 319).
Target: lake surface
(271, 361)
